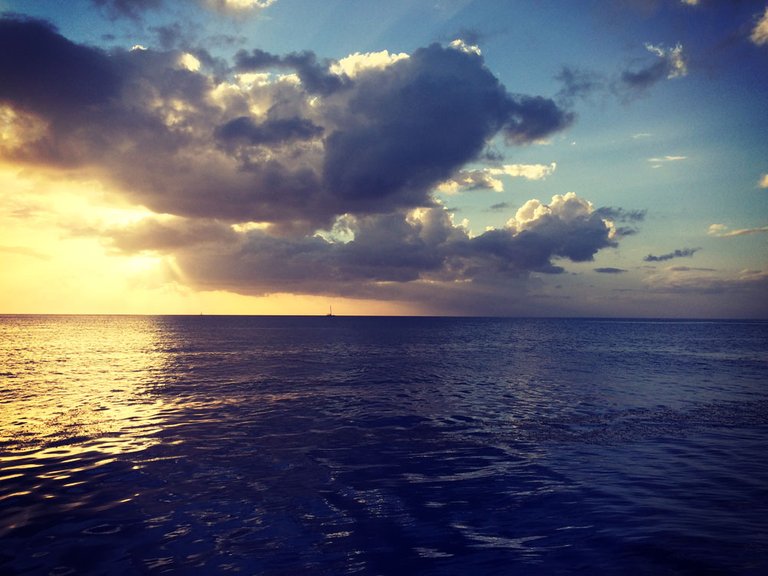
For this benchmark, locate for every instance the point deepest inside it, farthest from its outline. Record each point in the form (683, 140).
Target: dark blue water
(247, 445)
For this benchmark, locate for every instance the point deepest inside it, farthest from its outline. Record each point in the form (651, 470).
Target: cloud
(670, 63)
(135, 9)
(532, 118)
(466, 180)
(673, 57)
(45, 73)
(659, 161)
(240, 5)
(357, 63)
(292, 173)
(409, 126)
(581, 84)
(486, 178)
(667, 158)
(527, 171)
(469, 48)
(680, 253)
(763, 182)
(280, 139)
(315, 76)
(577, 84)
(622, 215)
(759, 35)
(499, 206)
(577, 231)
(269, 132)
(722, 231)
(613, 215)
(410, 249)
(162, 235)
(689, 269)
(693, 281)
(609, 270)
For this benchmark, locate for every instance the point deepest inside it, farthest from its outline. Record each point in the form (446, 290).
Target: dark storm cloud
(268, 132)
(609, 270)
(669, 63)
(397, 248)
(409, 126)
(43, 72)
(578, 240)
(256, 59)
(149, 121)
(645, 77)
(683, 253)
(388, 247)
(534, 118)
(313, 74)
(356, 156)
(499, 252)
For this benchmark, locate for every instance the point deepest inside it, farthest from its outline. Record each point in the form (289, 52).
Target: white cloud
(667, 158)
(674, 58)
(760, 32)
(527, 171)
(240, 4)
(355, 63)
(566, 208)
(460, 44)
(690, 2)
(470, 180)
(658, 161)
(722, 231)
(189, 62)
(763, 183)
(487, 178)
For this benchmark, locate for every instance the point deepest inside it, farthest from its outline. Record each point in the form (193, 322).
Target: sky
(606, 158)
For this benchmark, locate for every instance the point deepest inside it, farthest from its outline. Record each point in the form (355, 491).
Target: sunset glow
(239, 158)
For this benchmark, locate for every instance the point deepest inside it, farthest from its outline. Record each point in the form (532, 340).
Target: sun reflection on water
(79, 385)
(76, 394)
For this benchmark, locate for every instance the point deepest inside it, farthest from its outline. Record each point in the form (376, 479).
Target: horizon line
(394, 316)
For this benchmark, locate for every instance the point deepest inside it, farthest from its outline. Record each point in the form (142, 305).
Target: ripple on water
(247, 445)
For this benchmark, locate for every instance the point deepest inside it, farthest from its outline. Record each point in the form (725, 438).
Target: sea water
(341, 445)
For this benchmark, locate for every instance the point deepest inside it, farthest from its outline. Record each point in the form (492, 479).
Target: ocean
(376, 446)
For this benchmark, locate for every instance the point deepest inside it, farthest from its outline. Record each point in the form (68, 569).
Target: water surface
(260, 445)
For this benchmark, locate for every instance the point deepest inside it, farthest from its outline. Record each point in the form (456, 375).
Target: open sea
(376, 446)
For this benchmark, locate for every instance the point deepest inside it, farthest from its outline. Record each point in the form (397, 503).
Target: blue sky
(422, 157)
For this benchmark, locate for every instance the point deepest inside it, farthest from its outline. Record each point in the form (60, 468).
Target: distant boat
(330, 312)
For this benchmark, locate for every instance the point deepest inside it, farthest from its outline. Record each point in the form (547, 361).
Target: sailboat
(330, 312)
